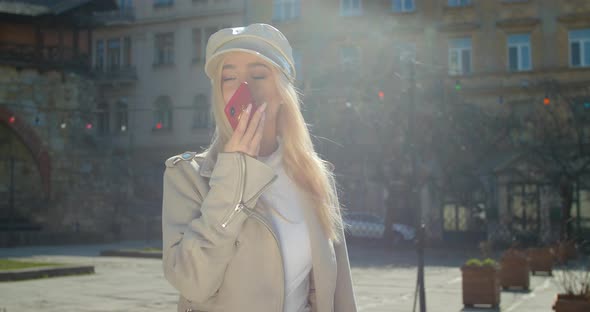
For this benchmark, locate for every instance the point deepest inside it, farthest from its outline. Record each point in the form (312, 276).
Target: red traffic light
(381, 95)
(159, 125)
(546, 100)
(12, 119)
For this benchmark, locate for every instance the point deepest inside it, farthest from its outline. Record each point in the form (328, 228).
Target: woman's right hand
(247, 136)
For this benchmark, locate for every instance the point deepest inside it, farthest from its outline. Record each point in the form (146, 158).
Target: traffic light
(546, 100)
(458, 85)
(12, 119)
(381, 95)
(89, 126)
(159, 125)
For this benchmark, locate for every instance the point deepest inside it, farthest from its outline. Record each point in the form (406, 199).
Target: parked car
(366, 225)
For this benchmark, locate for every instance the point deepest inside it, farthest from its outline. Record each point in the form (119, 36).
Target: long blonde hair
(301, 162)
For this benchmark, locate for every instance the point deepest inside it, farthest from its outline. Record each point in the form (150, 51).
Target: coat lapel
(323, 259)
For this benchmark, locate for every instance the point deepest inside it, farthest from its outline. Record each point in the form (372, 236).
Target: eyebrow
(251, 65)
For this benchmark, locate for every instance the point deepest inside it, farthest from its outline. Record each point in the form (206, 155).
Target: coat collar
(206, 163)
(323, 258)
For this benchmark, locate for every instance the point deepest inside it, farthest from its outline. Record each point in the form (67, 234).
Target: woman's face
(241, 66)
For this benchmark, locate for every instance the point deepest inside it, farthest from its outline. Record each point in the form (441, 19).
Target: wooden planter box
(481, 285)
(541, 260)
(565, 251)
(514, 270)
(571, 303)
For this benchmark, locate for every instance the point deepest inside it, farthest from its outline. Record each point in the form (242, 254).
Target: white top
(289, 223)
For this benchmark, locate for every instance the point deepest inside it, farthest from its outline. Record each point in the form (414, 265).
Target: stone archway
(33, 143)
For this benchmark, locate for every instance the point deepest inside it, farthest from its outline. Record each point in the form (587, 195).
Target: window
(401, 6)
(113, 54)
(163, 3)
(455, 217)
(201, 112)
(404, 51)
(519, 52)
(198, 45)
(458, 3)
(126, 51)
(163, 114)
(125, 5)
(350, 57)
(99, 57)
(164, 44)
(103, 119)
(580, 47)
(524, 205)
(460, 56)
(121, 116)
(284, 10)
(351, 7)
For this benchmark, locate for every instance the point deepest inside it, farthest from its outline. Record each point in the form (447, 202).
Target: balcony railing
(115, 73)
(125, 15)
(43, 57)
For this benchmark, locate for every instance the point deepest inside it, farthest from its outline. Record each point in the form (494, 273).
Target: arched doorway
(24, 172)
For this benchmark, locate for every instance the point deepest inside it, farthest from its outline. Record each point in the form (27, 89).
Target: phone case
(238, 103)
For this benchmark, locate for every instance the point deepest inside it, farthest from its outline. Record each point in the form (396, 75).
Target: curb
(131, 253)
(42, 272)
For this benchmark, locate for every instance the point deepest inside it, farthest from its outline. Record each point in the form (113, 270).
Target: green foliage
(7, 264)
(481, 263)
(489, 262)
(473, 262)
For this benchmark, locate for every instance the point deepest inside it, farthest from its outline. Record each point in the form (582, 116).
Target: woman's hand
(247, 137)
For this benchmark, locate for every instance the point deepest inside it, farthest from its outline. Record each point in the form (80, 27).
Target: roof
(45, 7)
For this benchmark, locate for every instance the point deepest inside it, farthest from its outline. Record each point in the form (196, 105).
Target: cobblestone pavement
(384, 281)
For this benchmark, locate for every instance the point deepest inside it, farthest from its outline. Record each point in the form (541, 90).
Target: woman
(253, 223)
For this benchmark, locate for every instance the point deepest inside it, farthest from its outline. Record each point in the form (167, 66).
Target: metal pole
(11, 208)
(413, 194)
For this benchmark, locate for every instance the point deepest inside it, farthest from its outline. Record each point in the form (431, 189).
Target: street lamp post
(412, 195)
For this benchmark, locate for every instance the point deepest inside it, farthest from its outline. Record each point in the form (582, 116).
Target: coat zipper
(240, 205)
(261, 220)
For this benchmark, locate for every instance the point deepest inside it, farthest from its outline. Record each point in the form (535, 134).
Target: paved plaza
(384, 281)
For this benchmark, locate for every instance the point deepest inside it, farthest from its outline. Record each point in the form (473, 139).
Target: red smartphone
(238, 103)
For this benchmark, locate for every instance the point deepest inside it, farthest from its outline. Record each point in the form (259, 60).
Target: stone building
(59, 181)
(148, 59)
(498, 55)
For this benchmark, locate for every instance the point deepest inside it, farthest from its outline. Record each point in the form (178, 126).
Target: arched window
(122, 122)
(200, 112)
(163, 114)
(103, 119)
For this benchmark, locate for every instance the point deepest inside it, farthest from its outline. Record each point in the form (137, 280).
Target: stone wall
(88, 179)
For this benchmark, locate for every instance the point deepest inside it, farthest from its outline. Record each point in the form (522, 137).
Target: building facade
(148, 60)
(55, 182)
(499, 55)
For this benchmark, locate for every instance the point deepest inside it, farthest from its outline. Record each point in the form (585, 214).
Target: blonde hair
(301, 162)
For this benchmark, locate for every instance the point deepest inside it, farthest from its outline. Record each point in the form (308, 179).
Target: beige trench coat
(220, 251)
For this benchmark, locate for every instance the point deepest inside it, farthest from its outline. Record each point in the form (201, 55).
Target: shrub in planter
(515, 269)
(481, 283)
(541, 259)
(576, 287)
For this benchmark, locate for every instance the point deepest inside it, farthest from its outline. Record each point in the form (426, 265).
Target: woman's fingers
(247, 137)
(257, 138)
(242, 124)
